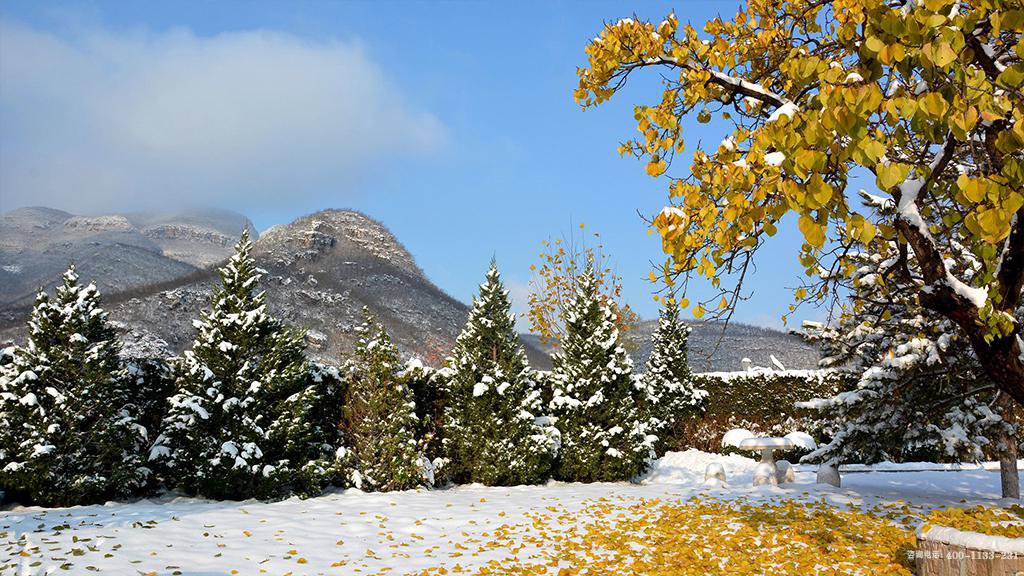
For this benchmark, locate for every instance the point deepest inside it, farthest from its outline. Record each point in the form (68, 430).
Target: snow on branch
(907, 210)
(733, 83)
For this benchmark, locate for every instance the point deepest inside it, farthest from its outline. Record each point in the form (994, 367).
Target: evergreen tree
(70, 431)
(242, 423)
(605, 436)
(307, 434)
(917, 391)
(380, 415)
(427, 385)
(494, 434)
(668, 392)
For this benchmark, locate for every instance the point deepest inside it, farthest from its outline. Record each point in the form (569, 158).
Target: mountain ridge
(120, 250)
(321, 269)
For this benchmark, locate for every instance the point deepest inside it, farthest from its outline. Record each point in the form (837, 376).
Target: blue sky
(453, 123)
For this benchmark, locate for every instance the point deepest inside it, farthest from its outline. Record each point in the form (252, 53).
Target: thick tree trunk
(1009, 476)
(1000, 359)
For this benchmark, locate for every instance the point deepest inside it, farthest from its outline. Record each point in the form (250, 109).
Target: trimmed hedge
(759, 400)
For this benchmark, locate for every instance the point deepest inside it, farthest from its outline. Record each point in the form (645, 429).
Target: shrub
(243, 421)
(605, 435)
(762, 401)
(668, 392)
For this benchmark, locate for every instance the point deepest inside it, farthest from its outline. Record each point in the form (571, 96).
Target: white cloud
(145, 119)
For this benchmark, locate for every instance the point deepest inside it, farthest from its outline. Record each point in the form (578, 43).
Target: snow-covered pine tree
(428, 388)
(380, 415)
(494, 432)
(605, 435)
(669, 395)
(917, 390)
(238, 426)
(306, 433)
(70, 430)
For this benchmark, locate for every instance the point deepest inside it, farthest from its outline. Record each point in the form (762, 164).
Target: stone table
(765, 473)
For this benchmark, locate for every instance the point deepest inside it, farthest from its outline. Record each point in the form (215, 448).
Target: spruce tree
(605, 435)
(380, 415)
(241, 423)
(669, 396)
(915, 389)
(494, 432)
(71, 434)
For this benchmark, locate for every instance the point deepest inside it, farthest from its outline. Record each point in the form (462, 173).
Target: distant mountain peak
(339, 232)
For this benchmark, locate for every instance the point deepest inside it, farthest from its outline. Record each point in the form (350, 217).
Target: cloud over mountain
(100, 119)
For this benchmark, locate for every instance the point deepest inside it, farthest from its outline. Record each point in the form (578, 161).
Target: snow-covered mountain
(711, 350)
(156, 272)
(321, 270)
(119, 251)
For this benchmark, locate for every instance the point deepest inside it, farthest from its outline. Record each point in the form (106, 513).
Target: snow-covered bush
(150, 382)
(306, 432)
(71, 432)
(668, 393)
(760, 400)
(243, 421)
(605, 435)
(494, 432)
(380, 421)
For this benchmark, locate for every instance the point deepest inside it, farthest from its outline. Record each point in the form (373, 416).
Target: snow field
(468, 529)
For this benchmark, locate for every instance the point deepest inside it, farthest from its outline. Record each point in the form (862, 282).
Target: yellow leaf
(933, 104)
(992, 223)
(868, 232)
(698, 311)
(974, 190)
(940, 54)
(890, 175)
(814, 233)
(656, 167)
(874, 44)
(892, 53)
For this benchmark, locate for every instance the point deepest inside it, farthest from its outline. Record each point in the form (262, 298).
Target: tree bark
(1009, 476)
(1000, 357)
(1001, 361)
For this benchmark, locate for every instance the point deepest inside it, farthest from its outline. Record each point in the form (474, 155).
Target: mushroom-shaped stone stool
(828, 474)
(714, 474)
(765, 473)
(784, 472)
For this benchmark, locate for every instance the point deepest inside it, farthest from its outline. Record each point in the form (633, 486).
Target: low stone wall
(945, 551)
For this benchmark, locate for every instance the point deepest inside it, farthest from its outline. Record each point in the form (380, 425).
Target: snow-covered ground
(407, 532)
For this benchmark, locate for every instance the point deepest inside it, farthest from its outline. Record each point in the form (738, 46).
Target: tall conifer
(494, 431)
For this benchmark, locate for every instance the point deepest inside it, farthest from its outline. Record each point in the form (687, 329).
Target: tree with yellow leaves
(922, 95)
(562, 262)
